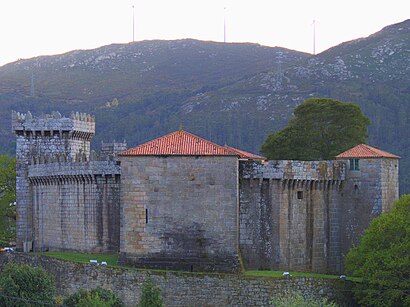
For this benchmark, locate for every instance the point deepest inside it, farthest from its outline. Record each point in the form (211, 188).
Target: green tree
(7, 199)
(151, 295)
(295, 298)
(321, 129)
(25, 286)
(97, 297)
(382, 259)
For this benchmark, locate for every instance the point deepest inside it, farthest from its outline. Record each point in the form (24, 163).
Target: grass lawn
(294, 274)
(111, 259)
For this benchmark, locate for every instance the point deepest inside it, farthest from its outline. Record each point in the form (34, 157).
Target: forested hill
(229, 93)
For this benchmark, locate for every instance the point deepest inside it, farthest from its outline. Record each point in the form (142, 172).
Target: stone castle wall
(75, 206)
(65, 201)
(304, 216)
(184, 289)
(193, 213)
(290, 215)
(180, 212)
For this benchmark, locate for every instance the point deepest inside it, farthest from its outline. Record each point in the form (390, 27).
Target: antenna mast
(314, 37)
(133, 24)
(224, 25)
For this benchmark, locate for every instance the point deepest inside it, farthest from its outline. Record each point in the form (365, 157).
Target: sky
(31, 28)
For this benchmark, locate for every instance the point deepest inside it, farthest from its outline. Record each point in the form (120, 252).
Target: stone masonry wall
(76, 206)
(183, 289)
(40, 140)
(286, 225)
(289, 215)
(389, 182)
(366, 193)
(76, 212)
(180, 212)
(301, 215)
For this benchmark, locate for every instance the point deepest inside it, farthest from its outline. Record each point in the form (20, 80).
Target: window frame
(354, 164)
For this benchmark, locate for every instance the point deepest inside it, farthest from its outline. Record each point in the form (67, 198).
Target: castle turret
(110, 150)
(50, 137)
(371, 170)
(371, 188)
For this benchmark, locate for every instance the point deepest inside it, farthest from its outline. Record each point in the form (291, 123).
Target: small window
(146, 216)
(354, 164)
(300, 194)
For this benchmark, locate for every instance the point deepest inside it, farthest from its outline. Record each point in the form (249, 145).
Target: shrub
(23, 285)
(97, 297)
(295, 298)
(151, 295)
(382, 259)
(93, 300)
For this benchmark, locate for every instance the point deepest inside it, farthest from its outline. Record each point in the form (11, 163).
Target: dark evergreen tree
(321, 129)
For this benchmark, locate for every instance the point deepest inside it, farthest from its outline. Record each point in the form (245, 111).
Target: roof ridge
(180, 142)
(244, 154)
(366, 151)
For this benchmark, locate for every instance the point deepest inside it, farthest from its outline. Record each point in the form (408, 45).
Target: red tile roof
(245, 155)
(366, 151)
(179, 143)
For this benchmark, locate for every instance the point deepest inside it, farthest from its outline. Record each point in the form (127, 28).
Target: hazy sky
(31, 28)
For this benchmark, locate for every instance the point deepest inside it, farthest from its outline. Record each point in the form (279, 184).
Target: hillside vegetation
(229, 93)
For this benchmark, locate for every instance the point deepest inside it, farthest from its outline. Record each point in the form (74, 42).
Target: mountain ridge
(235, 93)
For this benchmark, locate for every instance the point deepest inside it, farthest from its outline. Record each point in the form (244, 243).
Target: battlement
(66, 169)
(110, 150)
(290, 169)
(78, 125)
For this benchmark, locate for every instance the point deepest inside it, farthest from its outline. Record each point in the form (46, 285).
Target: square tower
(371, 188)
(45, 139)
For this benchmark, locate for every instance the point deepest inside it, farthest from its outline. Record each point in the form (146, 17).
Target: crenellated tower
(44, 139)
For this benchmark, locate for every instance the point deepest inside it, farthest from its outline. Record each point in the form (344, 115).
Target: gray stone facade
(75, 206)
(196, 213)
(65, 201)
(305, 215)
(180, 212)
(289, 215)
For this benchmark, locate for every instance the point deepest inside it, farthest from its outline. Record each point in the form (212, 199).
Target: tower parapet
(79, 125)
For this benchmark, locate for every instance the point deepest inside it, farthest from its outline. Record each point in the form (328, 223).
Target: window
(354, 164)
(146, 216)
(300, 194)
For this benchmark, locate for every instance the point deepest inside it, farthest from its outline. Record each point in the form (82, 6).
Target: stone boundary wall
(289, 169)
(183, 289)
(74, 169)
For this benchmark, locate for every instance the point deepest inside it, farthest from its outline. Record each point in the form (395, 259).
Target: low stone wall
(182, 289)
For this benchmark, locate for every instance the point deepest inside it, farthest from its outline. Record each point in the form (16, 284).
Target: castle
(182, 202)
